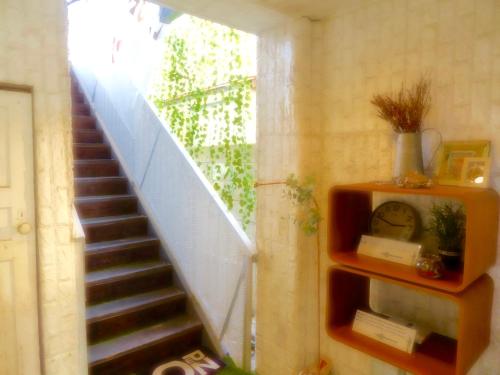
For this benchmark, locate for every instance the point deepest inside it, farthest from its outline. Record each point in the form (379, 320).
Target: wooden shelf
(349, 291)
(350, 208)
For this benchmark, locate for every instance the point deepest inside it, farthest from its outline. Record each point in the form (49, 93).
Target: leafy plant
(205, 97)
(303, 195)
(448, 224)
(405, 110)
(232, 369)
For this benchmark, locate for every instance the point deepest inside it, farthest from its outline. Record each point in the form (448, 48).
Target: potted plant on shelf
(405, 112)
(447, 223)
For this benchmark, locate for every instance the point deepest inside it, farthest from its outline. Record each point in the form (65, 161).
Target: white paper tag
(391, 250)
(384, 330)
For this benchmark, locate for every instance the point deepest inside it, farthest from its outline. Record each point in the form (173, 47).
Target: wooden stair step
(80, 109)
(124, 354)
(114, 227)
(84, 122)
(126, 280)
(77, 96)
(91, 151)
(96, 168)
(87, 136)
(126, 271)
(123, 315)
(86, 186)
(112, 253)
(106, 205)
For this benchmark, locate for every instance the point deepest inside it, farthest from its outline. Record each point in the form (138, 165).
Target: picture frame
(449, 168)
(476, 172)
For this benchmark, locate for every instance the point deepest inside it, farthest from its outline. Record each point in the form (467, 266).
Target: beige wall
(287, 125)
(326, 127)
(33, 52)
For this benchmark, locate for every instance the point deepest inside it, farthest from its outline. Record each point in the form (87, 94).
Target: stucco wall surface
(374, 47)
(33, 52)
(287, 142)
(316, 80)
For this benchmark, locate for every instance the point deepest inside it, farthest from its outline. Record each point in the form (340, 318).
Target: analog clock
(396, 220)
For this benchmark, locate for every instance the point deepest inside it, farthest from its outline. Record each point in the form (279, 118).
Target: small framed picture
(476, 172)
(449, 168)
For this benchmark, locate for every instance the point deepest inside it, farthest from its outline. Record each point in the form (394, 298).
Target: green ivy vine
(205, 97)
(302, 194)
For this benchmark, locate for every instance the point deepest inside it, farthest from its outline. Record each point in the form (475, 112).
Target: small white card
(388, 249)
(384, 330)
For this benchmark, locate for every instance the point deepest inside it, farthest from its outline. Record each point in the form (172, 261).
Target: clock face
(396, 220)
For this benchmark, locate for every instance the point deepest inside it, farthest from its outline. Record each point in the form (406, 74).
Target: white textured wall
(33, 52)
(315, 83)
(372, 48)
(287, 142)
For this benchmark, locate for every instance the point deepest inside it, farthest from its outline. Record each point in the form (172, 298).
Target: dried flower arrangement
(405, 110)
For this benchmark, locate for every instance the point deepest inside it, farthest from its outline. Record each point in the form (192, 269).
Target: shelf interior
(436, 355)
(451, 280)
(350, 212)
(349, 292)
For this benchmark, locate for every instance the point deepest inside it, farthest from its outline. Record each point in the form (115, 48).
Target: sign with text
(195, 363)
(391, 250)
(382, 329)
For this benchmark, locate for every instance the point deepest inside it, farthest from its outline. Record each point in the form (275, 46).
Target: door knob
(24, 228)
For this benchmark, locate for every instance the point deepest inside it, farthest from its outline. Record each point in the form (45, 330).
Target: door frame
(14, 87)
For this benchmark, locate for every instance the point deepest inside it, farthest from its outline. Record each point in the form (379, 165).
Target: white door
(19, 339)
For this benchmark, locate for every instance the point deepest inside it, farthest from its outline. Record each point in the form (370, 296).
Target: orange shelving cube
(349, 290)
(350, 208)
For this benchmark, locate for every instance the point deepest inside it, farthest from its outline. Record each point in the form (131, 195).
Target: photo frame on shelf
(476, 172)
(452, 155)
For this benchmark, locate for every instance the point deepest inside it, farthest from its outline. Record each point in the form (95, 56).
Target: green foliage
(302, 194)
(448, 224)
(232, 369)
(205, 97)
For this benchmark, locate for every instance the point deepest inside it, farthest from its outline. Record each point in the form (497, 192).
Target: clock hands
(388, 222)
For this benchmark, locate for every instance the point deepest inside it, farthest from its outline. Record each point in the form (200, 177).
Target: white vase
(408, 154)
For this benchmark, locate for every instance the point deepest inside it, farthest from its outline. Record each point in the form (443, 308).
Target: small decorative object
(414, 180)
(396, 220)
(476, 172)
(322, 368)
(452, 155)
(430, 266)
(447, 222)
(405, 111)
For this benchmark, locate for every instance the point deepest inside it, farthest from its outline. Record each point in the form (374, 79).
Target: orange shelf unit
(349, 290)
(350, 208)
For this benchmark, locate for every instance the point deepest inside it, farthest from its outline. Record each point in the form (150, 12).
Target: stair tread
(124, 271)
(80, 115)
(100, 178)
(94, 161)
(141, 339)
(86, 130)
(121, 243)
(108, 309)
(103, 198)
(110, 219)
(90, 144)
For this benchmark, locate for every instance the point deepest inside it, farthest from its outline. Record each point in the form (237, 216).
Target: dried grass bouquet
(406, 109)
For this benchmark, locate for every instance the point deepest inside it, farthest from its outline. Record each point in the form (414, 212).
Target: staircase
(137, 313)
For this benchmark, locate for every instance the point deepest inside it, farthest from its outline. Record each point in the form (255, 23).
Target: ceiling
(315, 9)
(256, 15)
